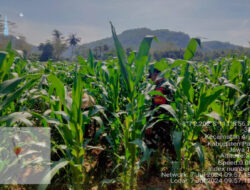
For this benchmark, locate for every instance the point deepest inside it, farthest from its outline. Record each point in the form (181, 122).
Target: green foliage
(191, 48)
(47, 51)
(50, 174)
(54, 94)
(126, 73)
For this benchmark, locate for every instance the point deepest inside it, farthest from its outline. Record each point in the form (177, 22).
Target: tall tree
(57, 34)
(47, 51)
(105, 47)
(73, 40)
(58, 44)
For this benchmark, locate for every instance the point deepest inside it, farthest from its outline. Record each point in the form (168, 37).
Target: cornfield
(101, 114)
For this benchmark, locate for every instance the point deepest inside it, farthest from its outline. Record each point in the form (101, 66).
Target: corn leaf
(200, 153)
(191, 48)
(123, 65)
(9, 86)
(50, 174)
(177, 141)
(142, 57)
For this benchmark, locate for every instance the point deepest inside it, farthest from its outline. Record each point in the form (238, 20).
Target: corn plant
(203, 94)
(136, 97)
(36, 94)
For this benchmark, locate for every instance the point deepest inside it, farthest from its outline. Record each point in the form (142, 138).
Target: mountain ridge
(131, 38)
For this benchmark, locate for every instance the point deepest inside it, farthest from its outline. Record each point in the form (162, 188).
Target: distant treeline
(200, 55)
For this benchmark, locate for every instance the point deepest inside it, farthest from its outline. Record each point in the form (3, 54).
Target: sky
(223, 20)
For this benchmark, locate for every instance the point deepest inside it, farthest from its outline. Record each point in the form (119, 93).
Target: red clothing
(159, 99)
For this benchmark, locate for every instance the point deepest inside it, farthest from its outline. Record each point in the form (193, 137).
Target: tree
(128, 50)
(57, 34)
(105, 47)
(58, 45)
(95, 50)
(73, 40)
(21, 44)
(82, 51)
(100, 50)
(47, 51)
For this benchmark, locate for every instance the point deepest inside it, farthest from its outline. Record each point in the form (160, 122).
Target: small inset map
(24, 155)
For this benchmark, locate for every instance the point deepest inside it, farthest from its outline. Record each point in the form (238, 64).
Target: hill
(18, 43)
(217, 45)
(132, 38)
